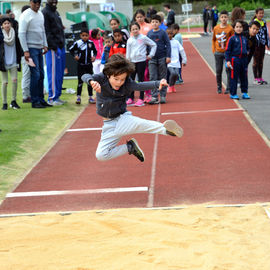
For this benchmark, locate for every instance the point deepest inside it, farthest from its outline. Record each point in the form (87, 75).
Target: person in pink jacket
(95, 36)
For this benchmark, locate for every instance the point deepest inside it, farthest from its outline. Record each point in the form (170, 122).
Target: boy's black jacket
(111, 103)
(54, 28)
(85, 50)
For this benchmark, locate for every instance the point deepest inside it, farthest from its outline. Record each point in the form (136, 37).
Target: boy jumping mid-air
(113, 86)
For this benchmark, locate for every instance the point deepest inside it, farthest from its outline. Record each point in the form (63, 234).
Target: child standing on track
(222, 32)
(236, 58)
(112, 87)
(136, 53)
(158, 64)
(82, 51)
(174, 66)
(263, 40)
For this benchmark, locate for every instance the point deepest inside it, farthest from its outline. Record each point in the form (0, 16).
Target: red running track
(221, 159)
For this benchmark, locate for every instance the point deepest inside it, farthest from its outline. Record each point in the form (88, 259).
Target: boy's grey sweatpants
(158, 71)
(125, 124)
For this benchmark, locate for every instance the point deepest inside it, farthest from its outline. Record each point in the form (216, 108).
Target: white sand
(198, 238)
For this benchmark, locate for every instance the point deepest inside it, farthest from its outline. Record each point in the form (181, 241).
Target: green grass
(28, 133)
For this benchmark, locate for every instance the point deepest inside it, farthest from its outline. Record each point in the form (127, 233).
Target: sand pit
(196, 238)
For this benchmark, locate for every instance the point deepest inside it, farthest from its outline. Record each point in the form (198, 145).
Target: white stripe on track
(74, 192)
(151, 192)
(82, 129)
(206, 111)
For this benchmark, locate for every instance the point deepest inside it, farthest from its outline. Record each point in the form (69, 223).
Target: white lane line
(75, 192)
(151, 192)
(82, 129)
(206, 111)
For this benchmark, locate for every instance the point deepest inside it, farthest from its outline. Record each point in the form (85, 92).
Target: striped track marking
(207, 111)
(75, 192)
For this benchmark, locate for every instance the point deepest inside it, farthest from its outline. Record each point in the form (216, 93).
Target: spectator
(174, 66)
(137, 54)
(82, 51)
(254, 28)
(150, 12)
(236, 59)
(107, 47)
(240, 14)
(162, 16)
(214, 16)
(139, 17)
(9, 61)
(262, 41)
(158, 64)
(95, 36)
(56, 56)
(206, 18)
(171, 15)
(119, 45)
(221, 34)
(25, 83)
(34, 44)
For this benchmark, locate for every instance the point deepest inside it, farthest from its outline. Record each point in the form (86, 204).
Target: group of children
(236, 45)
(154, 52)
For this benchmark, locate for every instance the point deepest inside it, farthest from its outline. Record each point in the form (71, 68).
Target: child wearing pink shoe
(137, 54)
(173, 67)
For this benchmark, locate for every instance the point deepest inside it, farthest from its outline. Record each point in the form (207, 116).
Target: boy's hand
(96, 86)
(77, 58)
(168, 60)
(148, 57)
(93, 58)
(229, 65)
(162, 83)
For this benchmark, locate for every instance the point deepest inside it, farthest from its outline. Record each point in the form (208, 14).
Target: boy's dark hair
(117, 65)
(176, 26)
(84, 30)
(24, 8)
(134, 23)
(117, 31)
(94, 33)
(167, 6)
(107, 37)
(156, 17)
(238, 21)
(115, 19)
(224, 12)
(255, 23)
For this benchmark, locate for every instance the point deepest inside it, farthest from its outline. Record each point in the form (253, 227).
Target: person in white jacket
(137, 54)
(174, 66)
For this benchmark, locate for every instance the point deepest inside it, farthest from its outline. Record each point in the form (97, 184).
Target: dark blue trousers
(239, 71)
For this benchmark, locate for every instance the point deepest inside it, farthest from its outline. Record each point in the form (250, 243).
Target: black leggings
(258, 61)
(84, 69)
(139, 69)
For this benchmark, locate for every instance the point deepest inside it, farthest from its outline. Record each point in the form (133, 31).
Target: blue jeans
(37, 76)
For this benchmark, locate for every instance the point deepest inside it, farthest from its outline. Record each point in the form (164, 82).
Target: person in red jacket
(119, 46)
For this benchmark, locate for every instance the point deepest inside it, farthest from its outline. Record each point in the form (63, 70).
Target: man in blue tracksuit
(55, 58)
(236, 59)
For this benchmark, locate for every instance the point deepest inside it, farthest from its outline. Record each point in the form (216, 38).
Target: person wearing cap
(34, 44)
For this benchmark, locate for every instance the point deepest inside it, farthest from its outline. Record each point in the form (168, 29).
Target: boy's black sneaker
(14, 105)
(4, 107)
(38, 106)
(219, 91)
(134, 149)
(173, 129)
